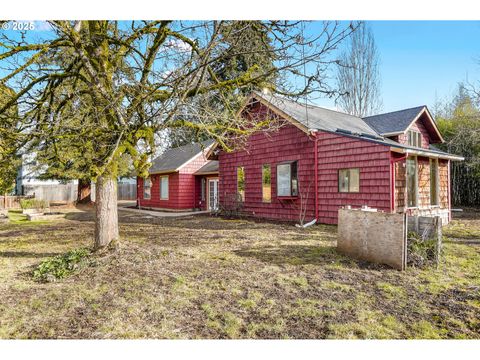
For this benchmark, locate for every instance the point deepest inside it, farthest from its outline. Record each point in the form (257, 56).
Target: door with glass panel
(213, 194)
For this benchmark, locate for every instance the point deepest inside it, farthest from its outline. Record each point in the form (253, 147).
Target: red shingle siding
(288, 143)
(337, 152)
(182, 189)
(155, 201)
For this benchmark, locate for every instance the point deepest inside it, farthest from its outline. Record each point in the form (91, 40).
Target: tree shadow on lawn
(25, 254)
(305, 255)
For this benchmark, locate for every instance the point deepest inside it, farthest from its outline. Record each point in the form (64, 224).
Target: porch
(421, 186)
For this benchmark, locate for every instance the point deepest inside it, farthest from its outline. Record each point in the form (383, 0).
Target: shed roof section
(210, 167)
(173, 159)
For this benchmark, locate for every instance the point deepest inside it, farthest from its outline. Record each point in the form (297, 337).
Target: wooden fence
(53, 193)
(125, 191)
(11, 202)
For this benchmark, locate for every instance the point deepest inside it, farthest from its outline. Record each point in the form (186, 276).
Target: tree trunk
(106, 212)
(84, 191)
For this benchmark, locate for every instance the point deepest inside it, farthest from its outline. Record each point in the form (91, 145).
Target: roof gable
(174, 159)
(398, 122)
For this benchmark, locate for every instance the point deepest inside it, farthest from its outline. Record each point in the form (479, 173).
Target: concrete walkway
(123, 207)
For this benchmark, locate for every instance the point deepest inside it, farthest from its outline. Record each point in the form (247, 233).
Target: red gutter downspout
(316, 173)
(449, 195)
(392, 178)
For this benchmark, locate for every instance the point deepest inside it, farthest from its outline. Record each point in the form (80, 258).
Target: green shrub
(33, 204)
(61, 266)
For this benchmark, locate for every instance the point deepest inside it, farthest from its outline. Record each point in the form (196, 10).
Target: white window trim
(161, 186)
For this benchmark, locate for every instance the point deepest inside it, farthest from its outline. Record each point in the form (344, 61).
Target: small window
(147, 188)
(287, 180)
(266, 183)
(414, 138)
(203, 186)
(349, 180)
(434, 182)
(412, 182)
(241, 183)
(164, 188)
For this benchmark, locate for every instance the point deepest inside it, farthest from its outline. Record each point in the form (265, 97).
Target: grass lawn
(204, 277)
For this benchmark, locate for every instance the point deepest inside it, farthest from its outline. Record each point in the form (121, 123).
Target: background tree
(358, 77)
(459, 123)
(10, 160)
(246, 44)
(122, 83)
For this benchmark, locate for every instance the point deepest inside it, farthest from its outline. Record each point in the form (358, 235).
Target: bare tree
(358, 78)
(94, 91)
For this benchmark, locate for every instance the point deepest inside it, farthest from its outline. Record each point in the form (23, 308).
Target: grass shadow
(295, 255)
(25, 254)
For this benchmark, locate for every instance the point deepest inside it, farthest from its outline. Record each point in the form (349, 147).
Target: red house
(181, 179)
(320, 160)
(316, 161)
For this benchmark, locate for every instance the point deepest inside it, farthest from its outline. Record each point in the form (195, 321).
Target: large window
(266, 183)
(164, 188)
(349, 180)
(147, 188)
(414, 138)
(241, 183)
(412, 182)
(433, 182)
(287, 180)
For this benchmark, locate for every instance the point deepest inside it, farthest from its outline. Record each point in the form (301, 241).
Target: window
(433, 182)
(266, 183)
(414, 138)
(412, 183)
(349, 180)
(241, 183)
(147, 188)
(287, 181)
(203, 186)
(164, 188)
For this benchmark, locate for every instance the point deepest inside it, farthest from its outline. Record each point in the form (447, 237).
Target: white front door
(213, 194)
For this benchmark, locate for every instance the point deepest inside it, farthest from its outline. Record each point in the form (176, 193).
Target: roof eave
(206, 173)
(427, 153)
(162, 172)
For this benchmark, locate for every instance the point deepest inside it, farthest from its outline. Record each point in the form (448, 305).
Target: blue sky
(421, 61)
(424, 59)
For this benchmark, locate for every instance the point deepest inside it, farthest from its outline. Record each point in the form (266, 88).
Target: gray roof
(368, 129)
(314, 117)
(210, 167)
(393, 122)
(173, 159)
